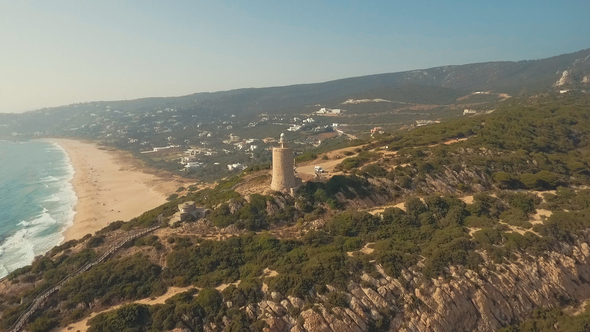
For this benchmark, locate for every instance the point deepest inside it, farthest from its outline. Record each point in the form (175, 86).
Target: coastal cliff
(465, 301)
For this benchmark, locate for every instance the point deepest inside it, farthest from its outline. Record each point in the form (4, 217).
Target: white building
(238, 166)
(193, 164)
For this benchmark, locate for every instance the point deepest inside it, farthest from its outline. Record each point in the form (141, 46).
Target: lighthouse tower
(283, 175)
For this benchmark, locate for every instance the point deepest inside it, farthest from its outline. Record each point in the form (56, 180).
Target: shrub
(127, 278)
(504, 180)
(306, 156)
(530, 181)
(337, 299)
(210, 299)
(375, 170)
(133, 317)
(487, 237)
(548, 180)
(43, 324)
(95, 241)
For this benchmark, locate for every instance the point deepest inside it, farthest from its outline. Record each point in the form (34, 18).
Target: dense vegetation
(537, 144)
(552, 320)
(433, 229)
(541, 146)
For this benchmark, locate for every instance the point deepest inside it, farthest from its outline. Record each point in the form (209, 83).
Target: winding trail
(42, 298)
(82, 325)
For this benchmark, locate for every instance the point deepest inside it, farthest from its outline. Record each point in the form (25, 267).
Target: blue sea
(37, 200)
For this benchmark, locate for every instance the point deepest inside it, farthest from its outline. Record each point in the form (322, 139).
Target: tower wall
(283, 177)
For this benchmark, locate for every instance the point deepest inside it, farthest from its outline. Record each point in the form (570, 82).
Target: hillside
(221, 133)
(408, 234)
(438, 86)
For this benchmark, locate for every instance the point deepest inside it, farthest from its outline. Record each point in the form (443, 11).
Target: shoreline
(108, 189)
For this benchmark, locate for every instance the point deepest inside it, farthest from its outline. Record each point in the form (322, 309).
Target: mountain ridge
(507, 76)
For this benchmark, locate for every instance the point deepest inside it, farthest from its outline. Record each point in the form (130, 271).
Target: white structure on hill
(283, 174)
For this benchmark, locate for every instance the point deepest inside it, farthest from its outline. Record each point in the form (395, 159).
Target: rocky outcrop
(566, 78)
(235, 205)
(360, 202)
(448, 181)
(495, 296)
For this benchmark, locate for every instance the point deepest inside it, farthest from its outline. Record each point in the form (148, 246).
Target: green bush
(132, 277)
(133, 317)
(44, 323)
(210, 300)
(337, 299)
(515, 217)
(306, 156)
(375, 170)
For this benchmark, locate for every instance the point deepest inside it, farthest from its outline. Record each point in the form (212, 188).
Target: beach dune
(109, 190)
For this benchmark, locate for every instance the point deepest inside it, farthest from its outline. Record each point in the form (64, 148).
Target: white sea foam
(53, 198)
(39, 234)
(67, 194)
(17, 250)
(49, 178)
(35, 238)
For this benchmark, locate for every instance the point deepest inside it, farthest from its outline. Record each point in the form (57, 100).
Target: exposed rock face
(362, 203)
(271, 208)
(586, 79)
(234, 206)
(466, 301)
(451, 179)
(566, 78)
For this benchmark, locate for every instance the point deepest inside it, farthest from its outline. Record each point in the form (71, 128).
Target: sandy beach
(109, 188)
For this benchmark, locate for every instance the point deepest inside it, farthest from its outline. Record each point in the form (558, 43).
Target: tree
(211, 300)
(530, 181)
(548, 180)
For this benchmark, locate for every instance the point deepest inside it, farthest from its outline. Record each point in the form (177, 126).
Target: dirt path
(502, 96)
(538, 217)
(307, 170)
(453, 141)
(328, 167)
(381, 209)
(82, 326)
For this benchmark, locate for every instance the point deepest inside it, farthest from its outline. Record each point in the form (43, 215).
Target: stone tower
(283, 175)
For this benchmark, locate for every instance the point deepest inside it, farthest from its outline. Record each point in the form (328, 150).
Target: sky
(56, 52)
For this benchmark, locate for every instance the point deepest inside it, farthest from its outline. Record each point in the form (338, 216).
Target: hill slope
(439, 85)
(490, 228)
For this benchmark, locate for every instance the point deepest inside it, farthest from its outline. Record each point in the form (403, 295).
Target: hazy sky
(61, 52)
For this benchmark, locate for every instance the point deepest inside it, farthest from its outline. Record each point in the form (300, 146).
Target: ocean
(37, 200)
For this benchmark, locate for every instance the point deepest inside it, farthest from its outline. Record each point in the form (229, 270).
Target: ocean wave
(37, 234)
(35, 237)
(17, 251)
(53, 198)
(49, 178)
(44, 218)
